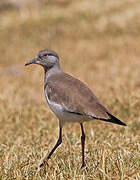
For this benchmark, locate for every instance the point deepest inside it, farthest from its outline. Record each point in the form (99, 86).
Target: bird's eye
(46, 55)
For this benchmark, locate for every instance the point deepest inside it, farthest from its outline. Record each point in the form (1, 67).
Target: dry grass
(99, 44)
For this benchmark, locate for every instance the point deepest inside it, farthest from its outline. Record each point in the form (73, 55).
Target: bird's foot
(83, 166)
(44, 163)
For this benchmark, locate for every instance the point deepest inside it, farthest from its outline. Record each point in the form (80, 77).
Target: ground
(98, 43)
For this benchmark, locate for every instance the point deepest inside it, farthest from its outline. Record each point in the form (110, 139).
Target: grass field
(99, 43)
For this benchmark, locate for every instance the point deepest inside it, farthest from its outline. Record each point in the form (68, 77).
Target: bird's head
(45, 58)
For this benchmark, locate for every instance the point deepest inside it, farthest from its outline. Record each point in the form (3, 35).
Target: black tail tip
(122, 123)
(115, 120)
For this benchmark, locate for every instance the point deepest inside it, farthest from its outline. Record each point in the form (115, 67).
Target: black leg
(83, 145)
(59, 141)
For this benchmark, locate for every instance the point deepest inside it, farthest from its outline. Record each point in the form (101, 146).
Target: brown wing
(75, 96)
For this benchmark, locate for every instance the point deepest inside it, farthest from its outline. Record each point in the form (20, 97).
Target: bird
(69, 99)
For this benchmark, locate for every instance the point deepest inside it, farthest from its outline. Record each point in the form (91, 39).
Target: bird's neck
(51, 71)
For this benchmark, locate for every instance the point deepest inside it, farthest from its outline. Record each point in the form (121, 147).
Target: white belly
(63, 115)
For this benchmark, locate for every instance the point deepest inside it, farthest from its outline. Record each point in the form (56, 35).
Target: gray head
(45, 58)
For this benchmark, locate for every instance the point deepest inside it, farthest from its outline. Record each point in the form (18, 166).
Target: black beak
(33, 61)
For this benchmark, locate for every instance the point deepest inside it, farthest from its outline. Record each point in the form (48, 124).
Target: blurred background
(98, 42)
